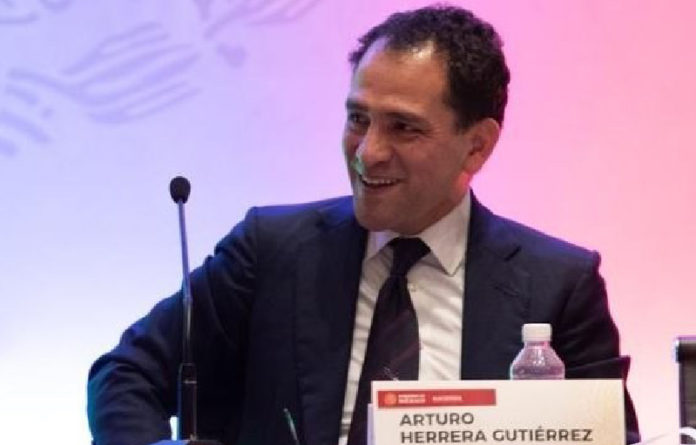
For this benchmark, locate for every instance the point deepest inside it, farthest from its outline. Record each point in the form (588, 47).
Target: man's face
(407, 159)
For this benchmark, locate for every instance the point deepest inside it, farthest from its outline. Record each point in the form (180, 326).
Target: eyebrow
(352, 104)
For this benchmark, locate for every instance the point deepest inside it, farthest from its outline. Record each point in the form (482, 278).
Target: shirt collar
(439, 237)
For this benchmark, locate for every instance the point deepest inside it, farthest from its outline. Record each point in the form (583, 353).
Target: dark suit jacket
(273, 323)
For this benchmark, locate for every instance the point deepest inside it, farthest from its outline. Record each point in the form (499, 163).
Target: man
(288, 312)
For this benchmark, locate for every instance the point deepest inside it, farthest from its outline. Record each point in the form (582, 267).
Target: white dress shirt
(436, 285)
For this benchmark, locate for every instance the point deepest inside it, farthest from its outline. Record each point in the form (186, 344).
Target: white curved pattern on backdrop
(129, 75)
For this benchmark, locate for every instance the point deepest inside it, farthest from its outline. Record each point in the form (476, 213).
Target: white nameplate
(562, 412)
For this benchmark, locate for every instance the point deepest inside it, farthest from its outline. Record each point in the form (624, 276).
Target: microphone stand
(187, 385)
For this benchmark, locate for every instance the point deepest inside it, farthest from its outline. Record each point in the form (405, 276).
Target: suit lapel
(496, 301)
(327, 287)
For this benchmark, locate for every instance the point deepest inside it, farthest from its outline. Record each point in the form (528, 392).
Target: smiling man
(302, 306)
(410, 156)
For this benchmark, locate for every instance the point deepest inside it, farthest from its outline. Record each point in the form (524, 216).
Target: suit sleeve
(587, 339)
(132, 389)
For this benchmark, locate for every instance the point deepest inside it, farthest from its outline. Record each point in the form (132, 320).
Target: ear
(482, 137)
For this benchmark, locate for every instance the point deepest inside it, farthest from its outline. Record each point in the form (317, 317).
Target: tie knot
(407, 251)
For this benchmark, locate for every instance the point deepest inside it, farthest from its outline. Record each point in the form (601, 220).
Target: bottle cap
(536, 332)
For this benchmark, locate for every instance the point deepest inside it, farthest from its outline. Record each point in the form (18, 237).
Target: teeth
(378, 181)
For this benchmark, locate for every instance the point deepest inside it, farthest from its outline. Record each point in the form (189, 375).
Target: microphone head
(180, 188)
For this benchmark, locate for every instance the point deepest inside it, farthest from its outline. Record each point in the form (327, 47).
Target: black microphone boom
(187, 390)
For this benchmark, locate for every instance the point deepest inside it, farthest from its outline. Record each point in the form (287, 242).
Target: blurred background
(101, 103)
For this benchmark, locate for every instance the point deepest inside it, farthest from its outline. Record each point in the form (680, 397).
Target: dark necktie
(393, 347)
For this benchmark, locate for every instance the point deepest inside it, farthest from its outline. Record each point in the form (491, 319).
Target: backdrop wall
(101, 103)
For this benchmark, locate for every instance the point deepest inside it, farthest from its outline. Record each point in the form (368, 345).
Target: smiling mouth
(377, 182)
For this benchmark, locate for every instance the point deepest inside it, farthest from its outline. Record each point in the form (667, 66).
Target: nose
(373, 149)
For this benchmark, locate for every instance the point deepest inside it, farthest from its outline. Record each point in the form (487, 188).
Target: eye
(356, 120)
(406, 127)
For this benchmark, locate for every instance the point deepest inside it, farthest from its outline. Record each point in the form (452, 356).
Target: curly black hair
(477, 74)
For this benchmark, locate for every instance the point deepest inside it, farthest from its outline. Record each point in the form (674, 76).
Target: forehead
(414, 76)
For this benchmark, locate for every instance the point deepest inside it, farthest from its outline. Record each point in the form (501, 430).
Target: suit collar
(338, 212)
(490, 232)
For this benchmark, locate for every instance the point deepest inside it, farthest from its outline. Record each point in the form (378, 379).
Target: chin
(369, 220)
(369, 223)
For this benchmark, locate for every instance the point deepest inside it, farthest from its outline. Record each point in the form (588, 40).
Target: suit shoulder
(295, 219)
(546, 247)
(277, 223)
(288, 213)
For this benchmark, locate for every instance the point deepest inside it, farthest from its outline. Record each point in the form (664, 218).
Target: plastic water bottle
(537, 360)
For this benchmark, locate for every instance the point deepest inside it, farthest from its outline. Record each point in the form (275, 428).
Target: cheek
(350, 144)
(433, 174)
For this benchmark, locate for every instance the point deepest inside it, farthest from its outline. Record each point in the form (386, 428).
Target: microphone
(187, 385)
(179, 189)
